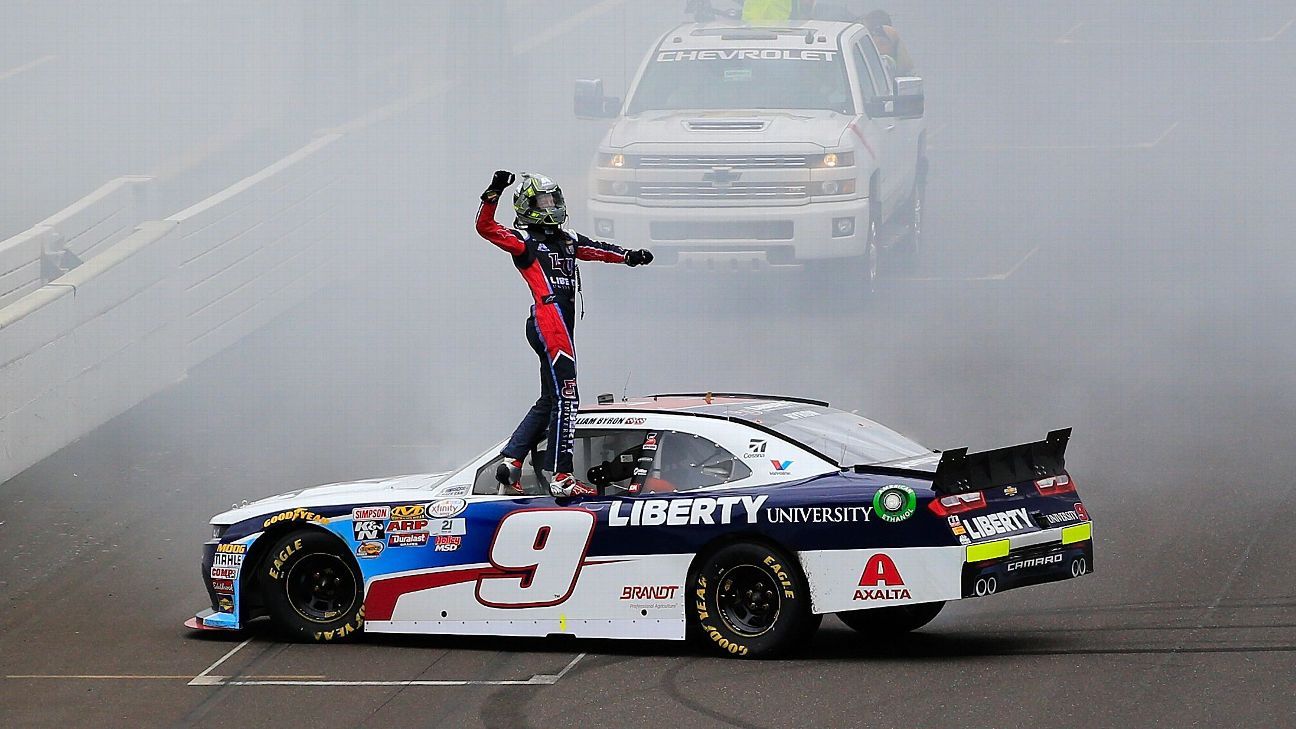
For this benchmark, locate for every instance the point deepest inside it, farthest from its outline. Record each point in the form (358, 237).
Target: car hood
(795, 131)
(336, 494)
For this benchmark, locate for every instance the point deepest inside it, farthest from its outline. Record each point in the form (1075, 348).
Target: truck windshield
(733, 78)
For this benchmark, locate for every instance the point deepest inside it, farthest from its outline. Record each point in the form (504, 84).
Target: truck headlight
(613, 160)
(837, 159)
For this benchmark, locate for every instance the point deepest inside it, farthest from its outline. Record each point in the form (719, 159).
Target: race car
(740, 520)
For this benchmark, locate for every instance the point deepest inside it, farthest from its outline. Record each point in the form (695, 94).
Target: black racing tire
(887, 622)
(312, 588)
(748, 600)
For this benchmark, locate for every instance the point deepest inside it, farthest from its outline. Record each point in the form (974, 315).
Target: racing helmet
(539, 200)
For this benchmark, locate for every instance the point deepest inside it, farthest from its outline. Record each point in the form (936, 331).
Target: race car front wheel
(312, 588)
(888, 621)
(748, 600)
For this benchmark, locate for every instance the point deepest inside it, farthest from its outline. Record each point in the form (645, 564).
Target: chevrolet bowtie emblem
(721, 176)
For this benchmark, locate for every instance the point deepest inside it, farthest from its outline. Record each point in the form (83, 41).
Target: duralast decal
(298, 514)
(681, 512)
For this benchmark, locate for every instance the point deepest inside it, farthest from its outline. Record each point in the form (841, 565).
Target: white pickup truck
(746, 146)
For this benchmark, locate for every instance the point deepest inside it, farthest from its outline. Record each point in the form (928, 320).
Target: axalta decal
(1003, 522)
(681, 512)
(298, 514)
(746, 54)
(881, 580)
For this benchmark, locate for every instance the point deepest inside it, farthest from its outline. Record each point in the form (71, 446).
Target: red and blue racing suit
(546, 257)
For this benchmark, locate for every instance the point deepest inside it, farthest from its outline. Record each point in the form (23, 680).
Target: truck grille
(735, 191)
(704, 162)
(726, 125)
(726, 230)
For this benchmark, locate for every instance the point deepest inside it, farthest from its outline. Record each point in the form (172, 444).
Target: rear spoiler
(960, 472)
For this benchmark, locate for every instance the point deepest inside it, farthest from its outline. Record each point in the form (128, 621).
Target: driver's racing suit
(546, 257)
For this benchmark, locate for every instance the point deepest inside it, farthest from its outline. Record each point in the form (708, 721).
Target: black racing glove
(501, 180)
(641, 257)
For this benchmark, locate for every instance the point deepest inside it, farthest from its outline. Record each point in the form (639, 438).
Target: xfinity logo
(1001, 523)
(681, 512)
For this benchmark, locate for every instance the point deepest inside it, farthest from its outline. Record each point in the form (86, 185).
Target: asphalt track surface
(1108, 248)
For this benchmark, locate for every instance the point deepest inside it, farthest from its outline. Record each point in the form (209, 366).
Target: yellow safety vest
(767, 10)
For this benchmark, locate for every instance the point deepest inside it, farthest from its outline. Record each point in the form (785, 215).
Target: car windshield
(735, 78)
(846, 438)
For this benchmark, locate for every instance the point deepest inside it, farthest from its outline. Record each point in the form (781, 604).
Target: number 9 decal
(540, 552)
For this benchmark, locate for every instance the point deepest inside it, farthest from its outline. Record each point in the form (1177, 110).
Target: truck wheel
(911, 243)
(748, 600)
(888, 621)
(867, 280)
(312, 588)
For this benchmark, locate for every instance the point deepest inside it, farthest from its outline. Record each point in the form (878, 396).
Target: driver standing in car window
(545, 254)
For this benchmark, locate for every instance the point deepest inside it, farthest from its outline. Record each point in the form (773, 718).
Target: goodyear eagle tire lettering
(312, 588)
(749, 601)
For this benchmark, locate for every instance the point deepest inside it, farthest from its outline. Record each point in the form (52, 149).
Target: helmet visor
(547, 200)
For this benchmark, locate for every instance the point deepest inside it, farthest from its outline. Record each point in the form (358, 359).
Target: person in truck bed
(545, 254)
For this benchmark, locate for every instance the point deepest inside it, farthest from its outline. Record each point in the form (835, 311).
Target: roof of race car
(742, 405)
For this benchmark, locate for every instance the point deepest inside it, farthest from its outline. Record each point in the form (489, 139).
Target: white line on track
(131, 676)
(26, 67)
(991, 277)
(206, 679)
(539, 679)
(1061, 147)
(1066, 37)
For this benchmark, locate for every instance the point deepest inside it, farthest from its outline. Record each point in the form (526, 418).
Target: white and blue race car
(737, 519)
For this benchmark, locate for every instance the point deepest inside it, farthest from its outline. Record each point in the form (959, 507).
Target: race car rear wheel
(312, 588)
(749, 600)
(888, 621)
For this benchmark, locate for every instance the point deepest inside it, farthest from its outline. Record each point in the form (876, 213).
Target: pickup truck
(750, 146)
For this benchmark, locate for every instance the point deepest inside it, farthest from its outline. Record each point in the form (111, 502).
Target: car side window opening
(875, 68)
(685, 462)
(605, 458)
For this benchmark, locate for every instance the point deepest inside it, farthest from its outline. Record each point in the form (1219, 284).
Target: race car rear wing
(961, 472)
